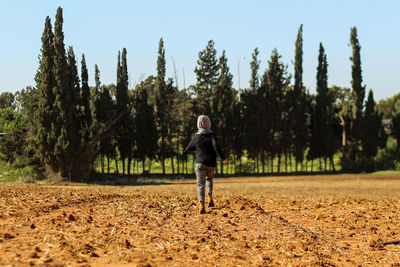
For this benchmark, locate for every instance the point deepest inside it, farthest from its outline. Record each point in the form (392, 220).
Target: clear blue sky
(101, 28)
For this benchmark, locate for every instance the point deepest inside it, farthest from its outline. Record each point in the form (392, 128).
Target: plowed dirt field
(298, 221)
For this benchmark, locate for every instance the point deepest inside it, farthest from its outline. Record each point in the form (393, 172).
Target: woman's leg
(209, 180)
(201, 174)
(209, 185)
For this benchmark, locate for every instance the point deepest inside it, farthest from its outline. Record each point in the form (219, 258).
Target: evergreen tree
(356, 74)
(86, 119)
(371, 137)
(351, 149)
(171, 119)
(124, 139)
(106, 109)
(395, 129)
(45, 114)
(95, 101)
(207, 73)
(64, 127)
(320, 116)
(146, 137)
(277, 80)
(358, 88)
(161, 105)
(298, 99)
(223, 102)
(253, 101)
(75, 112)
(254, 66)
(7, 100)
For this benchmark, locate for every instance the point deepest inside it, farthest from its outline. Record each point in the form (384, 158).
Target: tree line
(65, 125)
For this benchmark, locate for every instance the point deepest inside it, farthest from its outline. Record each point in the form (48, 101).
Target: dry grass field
(298, 221)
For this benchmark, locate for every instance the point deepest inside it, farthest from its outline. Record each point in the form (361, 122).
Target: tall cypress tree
(146, 137)
(223, 102)
(45, 114)
(320, 118)
(106, 107)
(64, 127)
(298, 116)
(277, 80)
(254, 66)
(372, 129)
(86, 119)
(253, 105)
(358, 88)
(124, 139)
(75, 112)
(95, 101)
(356, 74)
(161, 105)
(207, 73)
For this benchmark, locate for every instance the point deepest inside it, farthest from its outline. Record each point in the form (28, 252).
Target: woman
(206, 144)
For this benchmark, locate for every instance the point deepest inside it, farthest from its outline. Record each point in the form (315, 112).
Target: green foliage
(223, 104)
(388, 158)
(161, 100)
(7, 100)
(373, 134)
(207, 74)
(45, 114)
(325, 129)
(86, 117)
(299, 103)
(124, 125)
(144, 122)
(358, 88)
(389, 107)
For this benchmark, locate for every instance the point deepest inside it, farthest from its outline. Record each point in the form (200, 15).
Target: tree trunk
(143, 165)
(172, 165)
(272, 164)
(258, 166)
(116, 165)
(240, 165)
(177, 153)
(279, 162)
(320, 164)
(102, 163)
(286, 162)
(108, 164)
(263, 162)
(332, 164)
(163, 165)
(129, 165)
(149, 166)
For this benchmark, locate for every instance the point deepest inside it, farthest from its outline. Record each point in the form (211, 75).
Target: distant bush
(388, 158)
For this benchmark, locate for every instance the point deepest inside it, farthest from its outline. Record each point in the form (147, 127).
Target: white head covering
(204, 125)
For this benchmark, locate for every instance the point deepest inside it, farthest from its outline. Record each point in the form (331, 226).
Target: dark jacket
(207, 149)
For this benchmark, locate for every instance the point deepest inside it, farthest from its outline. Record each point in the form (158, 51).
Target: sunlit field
(313, 220)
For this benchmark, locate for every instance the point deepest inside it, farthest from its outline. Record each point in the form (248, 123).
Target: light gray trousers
(204, 177)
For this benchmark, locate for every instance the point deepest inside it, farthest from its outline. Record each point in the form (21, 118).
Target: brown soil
(298, 221)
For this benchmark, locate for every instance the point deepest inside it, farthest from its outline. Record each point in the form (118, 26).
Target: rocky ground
(317, 220)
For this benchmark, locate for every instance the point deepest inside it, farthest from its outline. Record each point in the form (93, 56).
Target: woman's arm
(191, 146)
(217, 148)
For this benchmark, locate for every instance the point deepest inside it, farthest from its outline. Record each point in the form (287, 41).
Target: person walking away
(206, 145)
